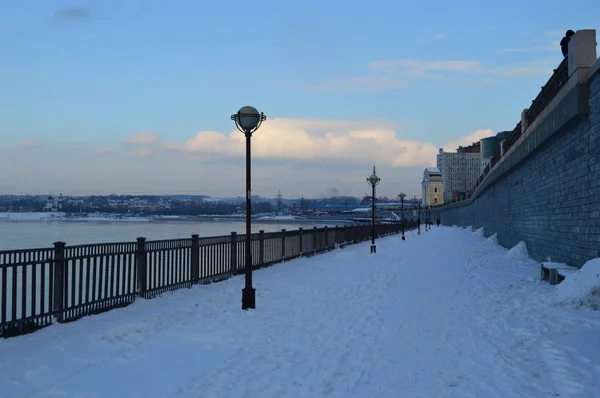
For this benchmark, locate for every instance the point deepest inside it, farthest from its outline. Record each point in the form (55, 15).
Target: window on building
(435, 189)
(434, 200)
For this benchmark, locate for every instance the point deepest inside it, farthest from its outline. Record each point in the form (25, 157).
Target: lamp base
(248, 298)
(373, 249)
(403, 237)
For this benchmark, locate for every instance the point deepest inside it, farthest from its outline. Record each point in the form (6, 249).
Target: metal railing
(65, 283)
(559, 78)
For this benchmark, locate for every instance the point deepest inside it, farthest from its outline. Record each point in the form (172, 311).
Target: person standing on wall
(564, 43)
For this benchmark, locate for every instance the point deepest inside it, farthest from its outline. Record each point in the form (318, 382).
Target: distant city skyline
(135, 97)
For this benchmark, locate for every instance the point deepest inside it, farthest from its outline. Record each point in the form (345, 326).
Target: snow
(396, 216)
(442, 314)
(30, 216)
(551, 265)
(478, 232)
(581, 288)
(61, 216)
(518, 251)
(493, 239)
(361, 210)
(286, 217)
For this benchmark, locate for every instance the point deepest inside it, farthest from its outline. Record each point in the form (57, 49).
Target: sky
(135, 97)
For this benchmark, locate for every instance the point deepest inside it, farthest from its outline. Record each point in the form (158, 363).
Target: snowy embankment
(443, 314)
(61, 216)
(281, 218)
(33, 216)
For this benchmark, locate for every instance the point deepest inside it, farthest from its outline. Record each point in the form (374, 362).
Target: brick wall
(551, 199)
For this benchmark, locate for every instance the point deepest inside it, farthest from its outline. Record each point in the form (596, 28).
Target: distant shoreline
(120, 218)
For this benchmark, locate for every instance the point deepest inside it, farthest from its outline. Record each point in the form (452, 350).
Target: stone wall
(549, 197)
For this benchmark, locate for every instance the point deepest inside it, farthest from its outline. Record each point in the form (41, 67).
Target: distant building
(490, 147)
(432, 186)
(473, 148)
(460, 170)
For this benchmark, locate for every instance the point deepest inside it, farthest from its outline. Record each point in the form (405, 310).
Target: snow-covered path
(442, 314)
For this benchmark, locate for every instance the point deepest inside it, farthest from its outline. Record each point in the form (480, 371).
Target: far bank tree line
(160, 205)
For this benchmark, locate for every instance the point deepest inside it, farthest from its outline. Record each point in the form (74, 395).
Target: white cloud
(387, 75)
(439, 69)
(317, 140)
(466, 140)
(144, 137)
(143, 152)
(540, 42)
(420, 68)
(440, 36)
(358, 84)
(30, 143)
(297, 156)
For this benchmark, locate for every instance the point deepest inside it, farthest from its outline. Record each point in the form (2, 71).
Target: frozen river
(37, 234)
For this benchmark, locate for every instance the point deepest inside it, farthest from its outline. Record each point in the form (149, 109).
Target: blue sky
(135, 96)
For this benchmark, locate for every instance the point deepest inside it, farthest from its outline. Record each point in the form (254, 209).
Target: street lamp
(373, 180)
(402, 196)
(248, 120)
(419, 220)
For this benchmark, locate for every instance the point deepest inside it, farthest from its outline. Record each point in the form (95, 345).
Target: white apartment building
(460, 171)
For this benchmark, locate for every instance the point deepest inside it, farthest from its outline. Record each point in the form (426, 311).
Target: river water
(39, 234)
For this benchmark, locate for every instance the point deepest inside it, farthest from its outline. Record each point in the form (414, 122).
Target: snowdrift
(582, 289)
(519, 251)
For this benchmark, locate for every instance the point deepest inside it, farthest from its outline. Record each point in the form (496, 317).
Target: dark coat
(564, 45)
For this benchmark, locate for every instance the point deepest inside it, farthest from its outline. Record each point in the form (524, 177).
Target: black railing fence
(65, 283)
(560, 77)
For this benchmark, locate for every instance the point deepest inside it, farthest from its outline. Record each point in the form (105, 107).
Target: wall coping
(580, 71)
(490, 179)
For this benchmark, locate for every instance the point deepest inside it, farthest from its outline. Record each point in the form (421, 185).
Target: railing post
(336, 235)
(59, 280)
(315, 241)
(233, 254)
(195, 259)
(140, 265)
(261, 248)
(283, 244)
(301, 233)
(326, 238)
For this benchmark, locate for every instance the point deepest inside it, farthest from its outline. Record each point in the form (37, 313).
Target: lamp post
(427, 218)
(419, 220)
(373, 180)
(248, 120)
(402, 196)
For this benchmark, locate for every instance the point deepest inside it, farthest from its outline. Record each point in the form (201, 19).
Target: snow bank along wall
(545, 189)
